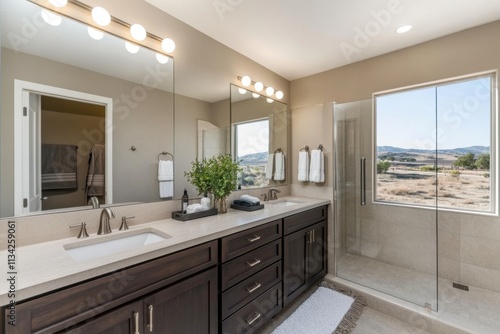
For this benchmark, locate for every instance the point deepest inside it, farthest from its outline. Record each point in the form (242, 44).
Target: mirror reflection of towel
(279, 166)
(59, 166)
(95, 175)
(166, 178)
(270, 166)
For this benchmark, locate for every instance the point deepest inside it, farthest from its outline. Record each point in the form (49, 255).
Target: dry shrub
(399, 191)
(446, 194)
(468, 202)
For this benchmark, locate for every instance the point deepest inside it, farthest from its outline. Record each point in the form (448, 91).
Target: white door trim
(21, 86)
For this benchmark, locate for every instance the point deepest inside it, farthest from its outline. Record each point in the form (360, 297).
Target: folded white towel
(249, 198)
(166, 178)
(279, 166)
(194, 208)
(303, 174)
(317, 170)
(270, 166)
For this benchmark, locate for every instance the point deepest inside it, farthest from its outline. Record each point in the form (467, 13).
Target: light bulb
(162, 59)
(51, 18)
(58, 3)
(269, 100)
(258, 86)
(279, 95)
(168, 45)
(131, 47)
(269, 91)
(246, 81)
(255, 95)
(242, 91)
(101, 16)
(95, 34)
(138, 32)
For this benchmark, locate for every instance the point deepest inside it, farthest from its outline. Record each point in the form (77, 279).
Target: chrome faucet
(94, 201)
(272, 194)
(104, 226)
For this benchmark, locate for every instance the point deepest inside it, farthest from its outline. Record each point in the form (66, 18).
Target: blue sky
(461, 111)
(253, 137)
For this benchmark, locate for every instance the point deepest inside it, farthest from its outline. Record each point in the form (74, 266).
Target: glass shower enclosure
(382, 243)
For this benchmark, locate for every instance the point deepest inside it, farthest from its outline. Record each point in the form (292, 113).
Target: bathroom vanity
(228, 273)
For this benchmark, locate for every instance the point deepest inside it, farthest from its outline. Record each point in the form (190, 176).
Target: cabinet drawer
(244, 292)
(245, 241)
(304, 219)
(249, 263)
(50, 313)
(254, 315)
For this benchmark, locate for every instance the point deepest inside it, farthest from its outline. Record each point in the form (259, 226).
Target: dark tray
(188, 216)
(248, 208)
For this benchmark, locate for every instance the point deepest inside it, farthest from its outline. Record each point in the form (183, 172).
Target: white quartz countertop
(44, 267)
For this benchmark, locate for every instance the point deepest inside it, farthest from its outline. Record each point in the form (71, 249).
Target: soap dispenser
(184, 201)
(205, 202)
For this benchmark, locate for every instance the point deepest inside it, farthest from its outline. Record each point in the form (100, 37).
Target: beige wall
(467, 243)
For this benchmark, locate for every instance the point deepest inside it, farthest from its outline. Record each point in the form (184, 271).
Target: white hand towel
(279, 166)
(166, 178)
(194, 208)
(249, 198)
(317, 170)
(303, 166)
(270, 166)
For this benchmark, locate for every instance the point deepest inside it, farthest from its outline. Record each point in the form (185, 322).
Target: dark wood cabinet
(82, 303)
(124, 320)
(231, 285)
(186, 307)
(304, 259)
(251, 271)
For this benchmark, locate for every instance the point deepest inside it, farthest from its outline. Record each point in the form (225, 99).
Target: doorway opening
(55, 135)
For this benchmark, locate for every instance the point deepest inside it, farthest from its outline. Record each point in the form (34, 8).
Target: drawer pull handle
(257, 286)
(254, 319)
(254, 263)
(150, 325)
(254, 239)
(136, 321)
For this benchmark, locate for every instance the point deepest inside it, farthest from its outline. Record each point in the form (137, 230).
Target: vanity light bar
(246, 81)
(81, 12)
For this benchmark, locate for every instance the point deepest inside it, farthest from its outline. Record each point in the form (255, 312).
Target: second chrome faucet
(104, 226)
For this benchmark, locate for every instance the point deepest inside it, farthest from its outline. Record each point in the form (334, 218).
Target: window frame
(494, 142)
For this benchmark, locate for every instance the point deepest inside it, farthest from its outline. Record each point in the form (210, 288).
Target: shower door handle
(362, 183)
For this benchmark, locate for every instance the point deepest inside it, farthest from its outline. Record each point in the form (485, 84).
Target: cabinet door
(127, 319)
(190, 306)
(304, 260)
(294, 267)
(316, 257)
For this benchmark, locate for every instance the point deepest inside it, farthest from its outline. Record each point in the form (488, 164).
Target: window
(252, 150)
(434, 143)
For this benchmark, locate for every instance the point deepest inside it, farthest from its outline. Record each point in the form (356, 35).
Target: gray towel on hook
(59, 166)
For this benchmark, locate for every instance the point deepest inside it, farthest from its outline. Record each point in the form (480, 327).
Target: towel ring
(306, 148)
(278, 150)
(165, 153)
(320, 147)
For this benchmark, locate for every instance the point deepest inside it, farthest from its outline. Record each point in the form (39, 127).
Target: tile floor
(477, 310)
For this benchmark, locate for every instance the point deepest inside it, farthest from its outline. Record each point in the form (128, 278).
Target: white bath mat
(326, 311)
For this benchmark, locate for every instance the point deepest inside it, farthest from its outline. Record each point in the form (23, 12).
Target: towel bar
(320, 147)
(278, 150)
(165, 153)
(306, 148)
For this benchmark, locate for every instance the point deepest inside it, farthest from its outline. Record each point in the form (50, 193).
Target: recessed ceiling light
(403, 29)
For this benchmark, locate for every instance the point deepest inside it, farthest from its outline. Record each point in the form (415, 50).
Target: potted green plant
(217, 175)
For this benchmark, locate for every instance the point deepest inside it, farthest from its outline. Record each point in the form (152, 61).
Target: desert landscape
(413, 178)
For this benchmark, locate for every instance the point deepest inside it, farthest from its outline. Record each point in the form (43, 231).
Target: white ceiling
(297, 38)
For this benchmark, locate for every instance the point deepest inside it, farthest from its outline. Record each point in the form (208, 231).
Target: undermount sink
(113, 243)
(278, 203)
